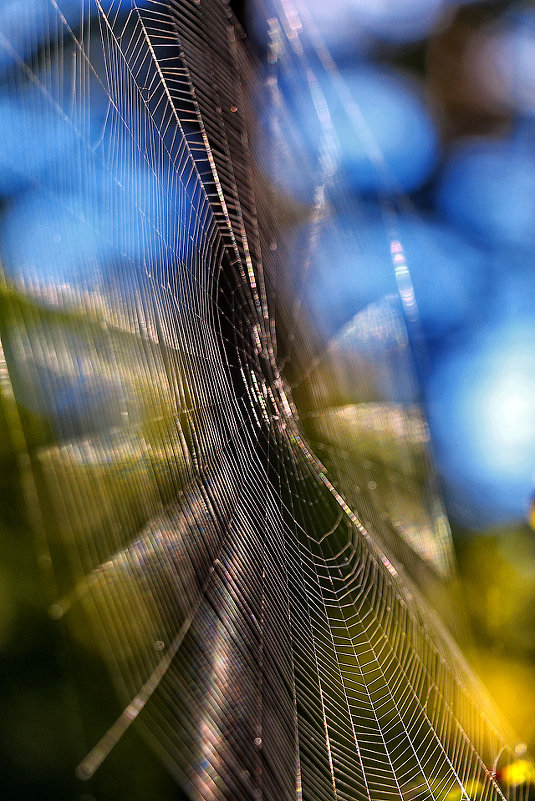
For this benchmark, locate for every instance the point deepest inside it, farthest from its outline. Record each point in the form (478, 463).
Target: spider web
(262, 613)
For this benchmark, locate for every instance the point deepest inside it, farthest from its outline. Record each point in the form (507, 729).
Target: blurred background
(447, 90)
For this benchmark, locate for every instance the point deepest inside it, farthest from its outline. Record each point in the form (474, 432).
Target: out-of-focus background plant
(447, 90)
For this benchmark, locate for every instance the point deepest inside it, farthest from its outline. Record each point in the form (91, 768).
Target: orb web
(239, 513)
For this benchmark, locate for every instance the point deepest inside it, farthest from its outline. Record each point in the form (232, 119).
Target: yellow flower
(521, 771)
